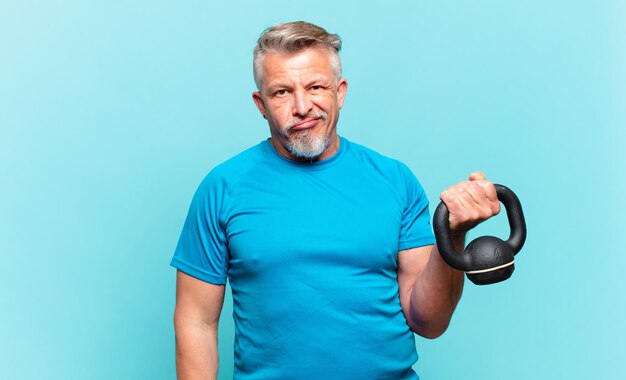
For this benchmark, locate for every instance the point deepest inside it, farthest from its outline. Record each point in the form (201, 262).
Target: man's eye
(280, 92)
(316, 88)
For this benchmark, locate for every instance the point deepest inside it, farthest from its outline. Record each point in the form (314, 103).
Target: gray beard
(307, 145)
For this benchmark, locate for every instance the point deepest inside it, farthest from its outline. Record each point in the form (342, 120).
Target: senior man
(327, 245)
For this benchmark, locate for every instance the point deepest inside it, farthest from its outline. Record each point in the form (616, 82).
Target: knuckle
(496, 208)
(474, 216)
(487, 213)
(487, 185)
(478, 188)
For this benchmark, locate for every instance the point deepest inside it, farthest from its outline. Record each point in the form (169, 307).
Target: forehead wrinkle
(297, 67)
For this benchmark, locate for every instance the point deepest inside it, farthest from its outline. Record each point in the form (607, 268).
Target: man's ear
(258, 100)
(342, 89)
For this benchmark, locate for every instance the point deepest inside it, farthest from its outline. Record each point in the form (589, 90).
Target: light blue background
(111, 112)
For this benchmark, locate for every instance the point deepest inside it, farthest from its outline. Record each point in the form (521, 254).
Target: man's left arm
(429, 288)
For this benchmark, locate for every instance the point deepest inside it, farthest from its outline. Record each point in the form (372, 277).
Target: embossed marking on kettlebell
(498, 256)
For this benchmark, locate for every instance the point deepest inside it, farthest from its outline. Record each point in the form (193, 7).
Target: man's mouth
(305, 124)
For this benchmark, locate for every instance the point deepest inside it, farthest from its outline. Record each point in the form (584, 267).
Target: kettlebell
(487, 259)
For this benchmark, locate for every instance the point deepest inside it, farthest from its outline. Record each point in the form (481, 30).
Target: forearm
(435, 294)
(196, 351)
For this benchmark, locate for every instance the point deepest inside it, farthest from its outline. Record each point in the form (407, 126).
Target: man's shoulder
(242, 161)
(236, 167)
(369, 156)
(388, 169)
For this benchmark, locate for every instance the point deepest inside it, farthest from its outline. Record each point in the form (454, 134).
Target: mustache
(312, 115)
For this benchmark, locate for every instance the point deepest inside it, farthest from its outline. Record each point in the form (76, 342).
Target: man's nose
(302, 104)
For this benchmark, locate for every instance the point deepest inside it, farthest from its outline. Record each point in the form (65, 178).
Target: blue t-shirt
(310, 250)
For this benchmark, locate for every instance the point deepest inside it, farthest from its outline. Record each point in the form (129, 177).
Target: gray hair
(293, 37)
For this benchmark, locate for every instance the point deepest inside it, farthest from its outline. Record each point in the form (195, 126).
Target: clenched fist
(470, 203)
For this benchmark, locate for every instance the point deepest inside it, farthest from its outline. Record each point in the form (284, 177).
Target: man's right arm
(198, 308)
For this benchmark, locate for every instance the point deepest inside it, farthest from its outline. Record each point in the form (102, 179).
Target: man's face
(301, 98)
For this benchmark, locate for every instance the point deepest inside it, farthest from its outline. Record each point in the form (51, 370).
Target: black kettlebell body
(487, 259)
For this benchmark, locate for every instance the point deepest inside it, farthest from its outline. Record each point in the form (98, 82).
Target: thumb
(477, 176)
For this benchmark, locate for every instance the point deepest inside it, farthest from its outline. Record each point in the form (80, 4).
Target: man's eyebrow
(284, 85)
(278, 85)
(319, 78)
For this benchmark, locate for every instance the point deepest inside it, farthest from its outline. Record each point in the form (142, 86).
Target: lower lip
(305, 125)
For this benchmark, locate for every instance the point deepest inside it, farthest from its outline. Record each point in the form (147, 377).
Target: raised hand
(470, 203)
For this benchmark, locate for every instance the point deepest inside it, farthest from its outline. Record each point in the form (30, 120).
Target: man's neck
(331, 150)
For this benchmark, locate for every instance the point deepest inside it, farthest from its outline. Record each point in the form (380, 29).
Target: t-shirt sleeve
(416, 230)
(202, 250)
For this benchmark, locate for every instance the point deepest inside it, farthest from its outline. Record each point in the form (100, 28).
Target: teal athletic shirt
(310, 251)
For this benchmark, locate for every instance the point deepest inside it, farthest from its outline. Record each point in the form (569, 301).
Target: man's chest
(325, 225)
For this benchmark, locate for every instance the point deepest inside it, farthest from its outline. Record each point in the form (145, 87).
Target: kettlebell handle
(462, 260)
